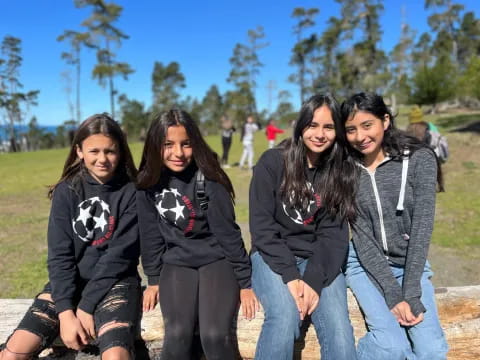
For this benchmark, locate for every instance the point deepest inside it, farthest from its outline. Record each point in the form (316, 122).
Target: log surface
(459, 310)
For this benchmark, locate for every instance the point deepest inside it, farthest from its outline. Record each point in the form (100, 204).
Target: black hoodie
(175, 230)
(281, 233)
(92, 241)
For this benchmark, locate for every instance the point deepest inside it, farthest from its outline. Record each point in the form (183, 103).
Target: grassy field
(24, 207)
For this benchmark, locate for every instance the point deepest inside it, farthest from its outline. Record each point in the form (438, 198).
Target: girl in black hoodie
(301, 194)
(93, 293)
(192, 249)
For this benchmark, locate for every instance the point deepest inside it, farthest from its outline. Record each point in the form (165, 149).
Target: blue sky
(200, 35)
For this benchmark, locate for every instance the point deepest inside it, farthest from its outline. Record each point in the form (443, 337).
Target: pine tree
(245, 68)
(76, 41)
(303, 49)
(12, 99)
(446, 25)
(105, 34)
(166, 82)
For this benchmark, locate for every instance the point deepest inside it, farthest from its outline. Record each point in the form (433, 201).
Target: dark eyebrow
(367, 120)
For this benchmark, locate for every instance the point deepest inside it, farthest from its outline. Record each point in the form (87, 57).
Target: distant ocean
(20, 129)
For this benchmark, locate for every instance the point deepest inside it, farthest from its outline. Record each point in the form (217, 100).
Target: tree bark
(459, 309)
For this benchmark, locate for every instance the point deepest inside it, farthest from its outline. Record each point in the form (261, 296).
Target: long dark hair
(395, 141)
(337, 171)
(74, 168)
(152, 169)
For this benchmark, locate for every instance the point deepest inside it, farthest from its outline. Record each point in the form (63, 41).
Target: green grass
(450, 123)
(458, 209)
(24, 207)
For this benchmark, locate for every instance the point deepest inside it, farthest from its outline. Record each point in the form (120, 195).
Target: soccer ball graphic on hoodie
(92, 220)
(170, 206)
(303, 217)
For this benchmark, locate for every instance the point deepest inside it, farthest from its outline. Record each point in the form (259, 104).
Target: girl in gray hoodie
(387, 267)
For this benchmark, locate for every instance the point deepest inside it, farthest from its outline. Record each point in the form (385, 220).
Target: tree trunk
(458, 307)
(112, 96)
(78, 110)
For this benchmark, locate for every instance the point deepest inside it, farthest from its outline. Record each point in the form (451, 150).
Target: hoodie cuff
(245, 283)
(87, 306)
(392, 298)
(153, 280)
(290, 273)
(416, 305)
(63, 305)
(315, 278)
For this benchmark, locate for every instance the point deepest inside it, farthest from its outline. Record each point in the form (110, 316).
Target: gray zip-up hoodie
(396, 208)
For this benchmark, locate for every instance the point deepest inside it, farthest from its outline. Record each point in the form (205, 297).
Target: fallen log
(459, 309)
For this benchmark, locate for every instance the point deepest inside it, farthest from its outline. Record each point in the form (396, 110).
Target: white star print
(164, 191)
(299, 217)
(175, 192)
(160, 209)
(104, 206)
(178, 210)
(100, 222)
(84, 215)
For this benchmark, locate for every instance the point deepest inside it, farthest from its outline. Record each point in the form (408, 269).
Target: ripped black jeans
(122, 304)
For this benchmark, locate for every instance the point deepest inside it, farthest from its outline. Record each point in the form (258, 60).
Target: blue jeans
(386, 338)
(282, 320)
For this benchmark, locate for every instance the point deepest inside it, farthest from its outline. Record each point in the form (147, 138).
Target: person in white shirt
(248, 131)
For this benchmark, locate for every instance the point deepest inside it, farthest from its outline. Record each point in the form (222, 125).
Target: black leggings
(209, 294)
(226, 143)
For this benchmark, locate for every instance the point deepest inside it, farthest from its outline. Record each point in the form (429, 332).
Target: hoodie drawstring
(401, 197)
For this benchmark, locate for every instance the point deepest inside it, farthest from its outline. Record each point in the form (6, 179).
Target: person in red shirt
(271, 131)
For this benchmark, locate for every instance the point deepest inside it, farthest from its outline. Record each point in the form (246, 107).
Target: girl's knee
(9, 354)
(282, 319)
(45, 296)
(431, 349)
(178, 334)
(215, 340)
(393, 341)
(116, 353)
(21, 345)
(116, 339)
(384, 348)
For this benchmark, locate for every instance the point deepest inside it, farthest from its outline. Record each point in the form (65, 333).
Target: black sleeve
(62, 269)
(122, 253)
(152, 243)
(263, 226)
(329, 251)
(221, 221)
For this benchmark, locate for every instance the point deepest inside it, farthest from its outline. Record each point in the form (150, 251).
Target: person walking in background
(301, 194)
(417, 127)
(227, 134)
(248, 130)
(271, 131)
(192, 249)
(427, 133)
(93, 294)
(387, 267)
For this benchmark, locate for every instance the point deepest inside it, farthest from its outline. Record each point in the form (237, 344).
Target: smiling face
(177, 151)
(101, 155)
(319, 135)
(365, 134)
